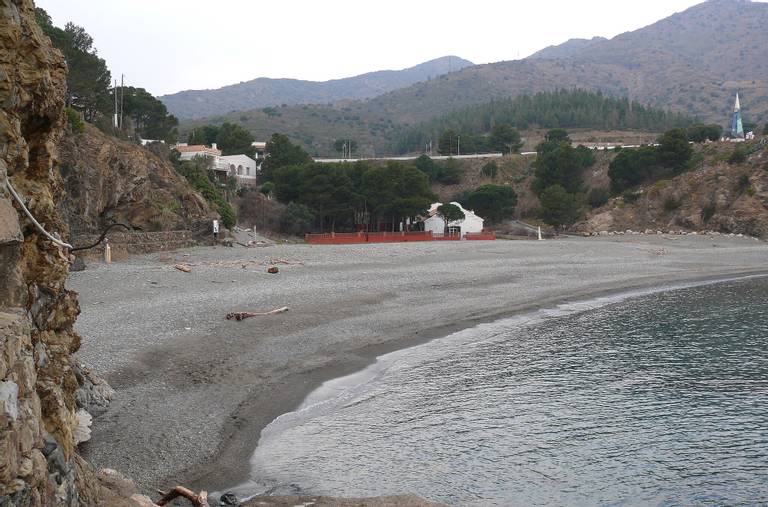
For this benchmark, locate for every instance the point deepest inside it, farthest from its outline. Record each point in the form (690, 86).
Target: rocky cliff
(726, 194)
(42, 390)
(107, 180)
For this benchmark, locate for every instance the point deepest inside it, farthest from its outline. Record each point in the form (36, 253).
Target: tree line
(91, 94)
(363, 195)
(559, 169)
(556, 109)
(230, 138)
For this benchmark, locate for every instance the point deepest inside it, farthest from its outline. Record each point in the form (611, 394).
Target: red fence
(480, 236)
(342, 238)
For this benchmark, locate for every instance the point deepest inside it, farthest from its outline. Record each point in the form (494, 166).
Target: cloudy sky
(172, 45)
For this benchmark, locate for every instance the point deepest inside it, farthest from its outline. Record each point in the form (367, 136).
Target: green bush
(597, 197)
(629, 196)
(493, 202)
(267, 188)
(708, 211)
(297, 219)
(558, 206)
(198, 178)
(742, 183)
(671, 204)
(739, 155)
(75, 121)
(491, 170)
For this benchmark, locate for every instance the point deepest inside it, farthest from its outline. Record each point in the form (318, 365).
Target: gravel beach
(194, 390)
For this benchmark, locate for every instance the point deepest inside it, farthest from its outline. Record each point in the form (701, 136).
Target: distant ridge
(568, 49)
(692, 62)
(264, 92)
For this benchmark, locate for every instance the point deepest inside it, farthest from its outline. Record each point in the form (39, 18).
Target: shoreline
(373, 354)
(616, 295)
(282, 389)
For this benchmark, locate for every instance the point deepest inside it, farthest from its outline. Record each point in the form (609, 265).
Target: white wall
(471, 222)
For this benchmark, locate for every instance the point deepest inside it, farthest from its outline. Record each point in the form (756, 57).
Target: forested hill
(265, 92)
(693, 62)
(558, 109)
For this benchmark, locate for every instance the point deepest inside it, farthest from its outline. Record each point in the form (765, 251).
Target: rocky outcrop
(721, 197)
(39, 383)
(107, 180)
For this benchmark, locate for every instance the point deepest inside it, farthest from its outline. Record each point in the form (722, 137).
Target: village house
(435, 223)
(241, 167)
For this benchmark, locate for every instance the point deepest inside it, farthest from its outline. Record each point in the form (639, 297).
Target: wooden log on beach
(247, 315)
(200, 500)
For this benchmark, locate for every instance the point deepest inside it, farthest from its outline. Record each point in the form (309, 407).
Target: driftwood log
(197, 500)
(247, 315)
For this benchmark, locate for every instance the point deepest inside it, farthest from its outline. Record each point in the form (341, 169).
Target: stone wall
(124, 244)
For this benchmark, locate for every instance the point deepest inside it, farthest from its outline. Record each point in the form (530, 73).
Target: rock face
(39, 465)
(107, 180)
(722, 197)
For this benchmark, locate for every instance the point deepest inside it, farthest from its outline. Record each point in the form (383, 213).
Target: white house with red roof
(241, 167)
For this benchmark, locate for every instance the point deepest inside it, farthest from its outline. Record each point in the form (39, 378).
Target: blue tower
(737, 127)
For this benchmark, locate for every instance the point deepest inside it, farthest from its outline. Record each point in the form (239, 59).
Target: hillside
(692, 62)
(568, 49)
(106, 180)
(721, 195)
(264, 92)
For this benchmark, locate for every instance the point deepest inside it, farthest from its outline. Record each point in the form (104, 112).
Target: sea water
(657, 399)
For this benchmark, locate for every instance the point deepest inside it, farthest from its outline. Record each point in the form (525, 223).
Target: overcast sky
(170, 45)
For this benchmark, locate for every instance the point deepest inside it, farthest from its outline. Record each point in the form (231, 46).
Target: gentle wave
(648, 397)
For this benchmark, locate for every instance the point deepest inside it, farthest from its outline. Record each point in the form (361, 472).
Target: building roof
(433, 211)
(198, 148)
(259, 145)
(237, 158)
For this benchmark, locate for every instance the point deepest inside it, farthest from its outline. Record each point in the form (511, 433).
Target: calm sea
(657, 399)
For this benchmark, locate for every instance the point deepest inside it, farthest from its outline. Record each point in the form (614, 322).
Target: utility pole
(114, 116)
(122, 98)
(458, 146)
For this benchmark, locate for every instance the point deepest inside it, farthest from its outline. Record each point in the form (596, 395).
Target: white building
(188, 152)
(261, 148)
(435, 223)
(241, 166)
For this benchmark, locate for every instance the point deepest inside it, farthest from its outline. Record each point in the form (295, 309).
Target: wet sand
(194, 390)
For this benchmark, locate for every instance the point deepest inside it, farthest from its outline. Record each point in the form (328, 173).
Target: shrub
(739, 155)
(671, 204)
(297, 219)
(708, 211)
(743, 183)
(558, 206)
(449, 173)
(75, 121)
(629, 196)
(597, 197)
(699, 133)
(493, 202)
(491, 170)
(198, 178)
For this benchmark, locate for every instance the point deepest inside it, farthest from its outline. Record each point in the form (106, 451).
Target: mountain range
(265, 92)
(692, 62)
